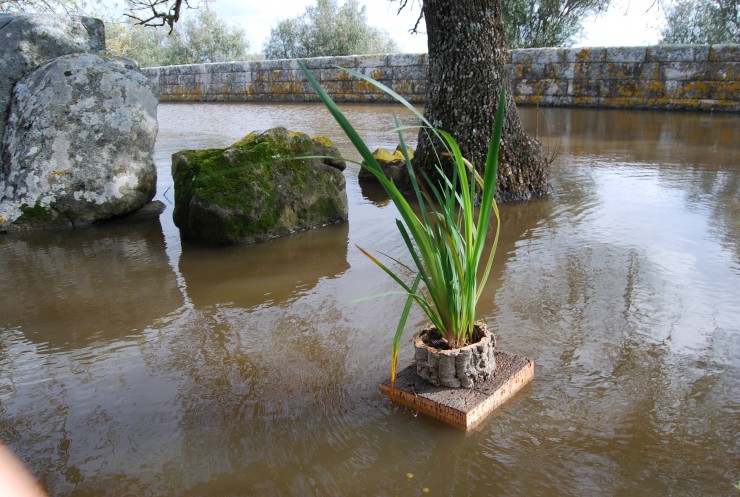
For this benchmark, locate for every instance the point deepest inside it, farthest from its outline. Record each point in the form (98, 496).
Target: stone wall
(689, 77)
(283, 81)
(692, 77)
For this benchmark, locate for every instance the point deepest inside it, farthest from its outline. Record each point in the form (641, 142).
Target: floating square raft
(462, 407)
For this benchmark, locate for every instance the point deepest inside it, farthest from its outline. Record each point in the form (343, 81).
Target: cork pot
(455, 368)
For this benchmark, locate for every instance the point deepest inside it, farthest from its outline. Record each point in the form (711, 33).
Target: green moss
(36, 214)
(326, 208)
(249, 182)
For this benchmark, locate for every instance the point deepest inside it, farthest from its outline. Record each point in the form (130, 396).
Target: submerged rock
(256, 189)
(392, 164)
(79, 142)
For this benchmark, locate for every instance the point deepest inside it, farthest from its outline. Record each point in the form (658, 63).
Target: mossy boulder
(393, 164)
(256, 189)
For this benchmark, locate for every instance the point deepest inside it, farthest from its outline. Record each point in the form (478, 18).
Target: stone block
(328, 62)
(333, 74)
(241, 77)
(699, 90)
(724, 53)
(240, 89)
(407, 59)
(626, 54)
(685, 71)
(540, 71)
(588, 70)
(409, 73)
(521, 56)
(651, 88)
(621, 70)
(271, 65)
(216, 67)
(651, 71)
(382, 74)
(530, 56)
(542, 87)
(620, 88)
(584, 88)
(723, 71)
(241, 66)
(678, 53)
(597, 54)
(567, 70)
(258, 88)
(372, 61)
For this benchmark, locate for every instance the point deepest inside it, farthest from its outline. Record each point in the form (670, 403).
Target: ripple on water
(196, 371)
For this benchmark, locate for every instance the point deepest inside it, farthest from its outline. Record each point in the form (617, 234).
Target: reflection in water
(244, 371)
(268, 273)
(65, 289)
(373, 192)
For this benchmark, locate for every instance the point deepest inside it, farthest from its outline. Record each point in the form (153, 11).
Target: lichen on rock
(79, 142)
(263, 186)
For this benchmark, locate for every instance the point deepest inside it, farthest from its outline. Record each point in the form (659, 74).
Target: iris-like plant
(446, 240)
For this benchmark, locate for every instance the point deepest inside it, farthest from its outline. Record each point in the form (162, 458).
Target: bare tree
(156, 12)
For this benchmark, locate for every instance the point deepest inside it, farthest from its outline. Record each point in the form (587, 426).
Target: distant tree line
(332, 28)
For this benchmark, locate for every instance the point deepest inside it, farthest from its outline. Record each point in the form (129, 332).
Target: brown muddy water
(134, 364)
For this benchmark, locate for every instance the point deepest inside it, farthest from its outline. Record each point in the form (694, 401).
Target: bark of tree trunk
(467, 65)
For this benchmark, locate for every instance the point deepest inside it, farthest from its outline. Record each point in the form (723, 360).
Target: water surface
(134, 364)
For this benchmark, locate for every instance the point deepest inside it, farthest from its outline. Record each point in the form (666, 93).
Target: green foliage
(447, 239)
(147, 46)
(200, 37)
(702, 21)
(546, 23)
(327, 29)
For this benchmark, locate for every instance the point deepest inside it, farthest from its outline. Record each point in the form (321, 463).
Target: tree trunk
(467, 66)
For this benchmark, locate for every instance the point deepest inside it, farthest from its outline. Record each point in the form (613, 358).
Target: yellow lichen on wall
(691, 77)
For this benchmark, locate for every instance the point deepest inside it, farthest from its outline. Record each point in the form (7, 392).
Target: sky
(626, 23)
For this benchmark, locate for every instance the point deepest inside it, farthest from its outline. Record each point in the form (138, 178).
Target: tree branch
(403, 4)
(159, 12)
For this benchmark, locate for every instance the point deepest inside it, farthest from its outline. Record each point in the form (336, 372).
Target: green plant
(446, 240)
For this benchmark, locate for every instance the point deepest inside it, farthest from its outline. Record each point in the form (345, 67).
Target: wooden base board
(462, 407)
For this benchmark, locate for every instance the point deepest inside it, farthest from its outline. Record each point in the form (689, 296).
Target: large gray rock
(79, 142)
(258, 188)
(29, 41)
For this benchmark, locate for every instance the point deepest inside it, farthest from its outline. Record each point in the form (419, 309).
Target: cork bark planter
(455, 368)
(431, 385)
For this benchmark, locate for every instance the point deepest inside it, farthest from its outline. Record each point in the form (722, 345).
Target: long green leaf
(399, 334)
(446, 240)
